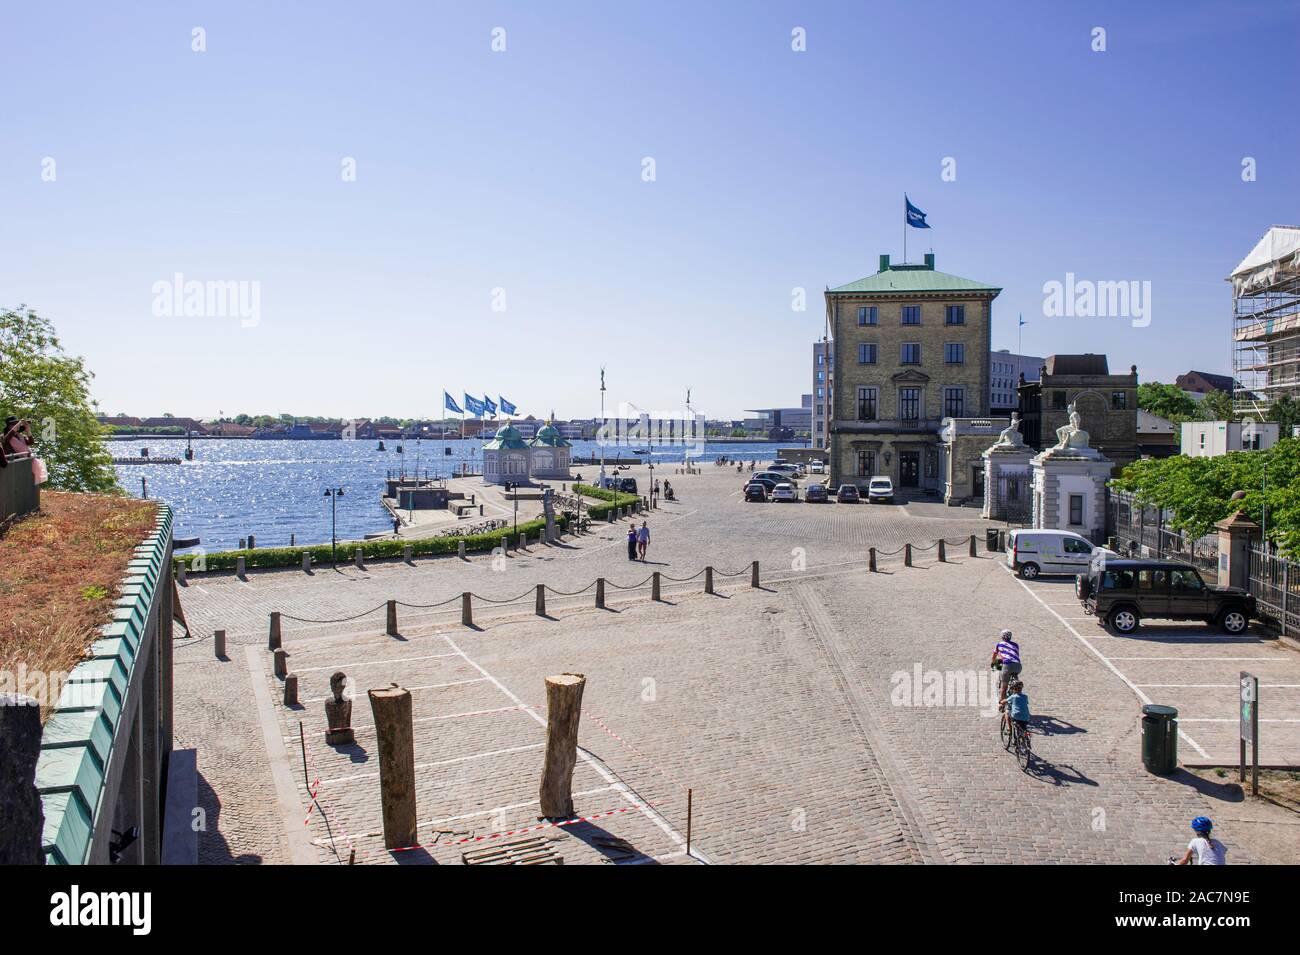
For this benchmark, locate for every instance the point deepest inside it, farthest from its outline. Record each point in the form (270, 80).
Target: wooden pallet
(536, 850)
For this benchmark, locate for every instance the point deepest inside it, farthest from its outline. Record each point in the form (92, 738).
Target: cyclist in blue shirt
(1018, 705)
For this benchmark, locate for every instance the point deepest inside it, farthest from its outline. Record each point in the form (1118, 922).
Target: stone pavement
(793, 713)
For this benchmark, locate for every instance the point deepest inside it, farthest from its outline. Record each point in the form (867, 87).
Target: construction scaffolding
(1266, 322)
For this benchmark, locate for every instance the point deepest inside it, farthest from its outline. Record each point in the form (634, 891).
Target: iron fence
(1144, 530)
(1275, 582)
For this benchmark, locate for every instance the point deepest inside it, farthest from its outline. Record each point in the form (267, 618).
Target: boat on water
(297, 432)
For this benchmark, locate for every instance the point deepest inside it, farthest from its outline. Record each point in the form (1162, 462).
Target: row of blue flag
(478, 407)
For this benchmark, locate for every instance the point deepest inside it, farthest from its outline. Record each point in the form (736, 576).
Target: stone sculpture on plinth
(338, 713)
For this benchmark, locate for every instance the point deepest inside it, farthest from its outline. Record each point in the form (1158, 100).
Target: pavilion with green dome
(549, 454)
(509, 459)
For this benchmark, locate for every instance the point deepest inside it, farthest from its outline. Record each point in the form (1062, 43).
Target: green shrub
(612, 500)
(265, 557)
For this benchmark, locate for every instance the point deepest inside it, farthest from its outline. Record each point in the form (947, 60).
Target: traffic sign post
(1249, 729)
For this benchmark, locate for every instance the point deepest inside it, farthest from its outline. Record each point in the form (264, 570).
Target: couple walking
(637, 541)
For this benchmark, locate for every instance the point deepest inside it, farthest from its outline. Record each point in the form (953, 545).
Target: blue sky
(522, 170)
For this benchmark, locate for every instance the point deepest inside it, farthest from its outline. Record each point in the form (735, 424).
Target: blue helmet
(1202, 824)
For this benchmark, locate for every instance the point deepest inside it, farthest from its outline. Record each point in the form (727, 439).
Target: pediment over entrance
(911, 376)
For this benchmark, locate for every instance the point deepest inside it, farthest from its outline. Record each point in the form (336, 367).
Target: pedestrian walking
(643, 539)
(631, 542)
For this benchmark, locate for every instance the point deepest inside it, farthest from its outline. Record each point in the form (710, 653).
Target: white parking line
(1216, 686)
(1208, 659)
(493, 812)
(371, 663)
(1104, 659)
(439, 762)
(427, 686)
(1230, 719)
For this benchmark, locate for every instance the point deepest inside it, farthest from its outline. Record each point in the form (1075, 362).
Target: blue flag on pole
(475, 407)
(506, 406)
(490, 405)
(449, 403)
(915, 217)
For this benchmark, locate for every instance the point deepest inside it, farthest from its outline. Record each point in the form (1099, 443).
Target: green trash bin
(990, 539)
(1160, 739)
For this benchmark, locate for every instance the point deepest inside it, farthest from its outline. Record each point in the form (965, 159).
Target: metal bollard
(180, 572)
(943, 554)
(654, 585)
(972, 546)
(408, 553)
(753, 575)
(523, 542)
(907, 555)
(391, 623)
(466, 610)
(274, 642)
(871, 560)
(241, 568)
(219, 644)
(356, 558)
(708, 580)
(460, 548)
(306, 563)
(291, 689)
(282, 663)
(541, 600)
(600, 593)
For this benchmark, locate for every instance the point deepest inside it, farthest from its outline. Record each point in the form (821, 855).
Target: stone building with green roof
(549, 454)
(506, 457)
(910, 347)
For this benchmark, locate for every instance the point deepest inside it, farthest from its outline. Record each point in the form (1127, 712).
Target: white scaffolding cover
(1274, 257)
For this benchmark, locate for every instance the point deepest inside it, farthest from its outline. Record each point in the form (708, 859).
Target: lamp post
(513, 488)
(601, 428)
(334, 494)
(651, 479)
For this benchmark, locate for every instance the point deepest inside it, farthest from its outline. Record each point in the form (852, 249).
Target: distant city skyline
(381, 208)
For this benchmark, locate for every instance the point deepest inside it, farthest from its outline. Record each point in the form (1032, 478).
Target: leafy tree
(51, 390)
(1286, 412)
(1199, 490)
(1167, 401)
(1216, 406)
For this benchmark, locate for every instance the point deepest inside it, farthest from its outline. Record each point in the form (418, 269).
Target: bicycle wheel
(1024, 751)
(1005, 732)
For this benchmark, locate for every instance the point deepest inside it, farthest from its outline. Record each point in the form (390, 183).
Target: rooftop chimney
(884, 263)
(929, 260)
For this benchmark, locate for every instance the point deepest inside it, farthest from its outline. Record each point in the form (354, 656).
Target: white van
(1031, 552)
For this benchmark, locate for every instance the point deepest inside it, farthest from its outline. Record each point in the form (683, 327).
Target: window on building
(820, 410)
(866, 404)
(1058, 401)
(866, 353)
(1119, 400)
(954, 402)
(954, 315)
(867, 315)
(821, 359)
(909, 404)
(821, 392)
(1076, 510)
(911, 314)
(954, 353)
(911, 353)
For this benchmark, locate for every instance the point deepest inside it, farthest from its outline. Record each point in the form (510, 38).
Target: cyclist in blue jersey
(1018, 706)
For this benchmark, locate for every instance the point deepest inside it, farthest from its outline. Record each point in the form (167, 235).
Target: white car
(880, 489)
(817, 467)
(791, 469)
(785, 492)
(1033, 552)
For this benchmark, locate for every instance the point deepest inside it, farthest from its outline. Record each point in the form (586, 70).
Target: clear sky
(522, 171)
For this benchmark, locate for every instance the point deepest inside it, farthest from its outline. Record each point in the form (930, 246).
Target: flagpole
(904, 228)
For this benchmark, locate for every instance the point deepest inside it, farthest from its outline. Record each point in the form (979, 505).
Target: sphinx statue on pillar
(338, 713)
(1011, 436)
(1072, 435)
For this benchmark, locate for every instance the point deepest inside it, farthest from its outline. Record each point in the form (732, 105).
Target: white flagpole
(904, 228)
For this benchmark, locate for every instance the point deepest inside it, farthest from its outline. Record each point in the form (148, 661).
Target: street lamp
(513, 488)
(651, 479)
(334, 494)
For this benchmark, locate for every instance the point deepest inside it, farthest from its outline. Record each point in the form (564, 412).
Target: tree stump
(563, 711)
(392, 709)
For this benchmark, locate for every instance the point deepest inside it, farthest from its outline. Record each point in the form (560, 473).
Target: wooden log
(753, 575)
(708, 580)
(972, 546)
(600, 592)
(654, 585)
(390, 627)
(871, 560)
(219, 644)
(907, 555)
(943, 554)
(393, 730)
(273, 642)
(466, 610)
(541, 600)
(563, 711)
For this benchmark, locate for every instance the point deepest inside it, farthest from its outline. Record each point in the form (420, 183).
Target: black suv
(1122, 592)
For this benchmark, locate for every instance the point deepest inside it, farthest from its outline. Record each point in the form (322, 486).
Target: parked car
(790, 469)
(785, 492)
(816, 493)
(767, 480)
(847, 494)
(627, 485)
(756, 491)
(1034, 552)
(880, 490)
(776, 476)
(1122, 593)
(817, 467)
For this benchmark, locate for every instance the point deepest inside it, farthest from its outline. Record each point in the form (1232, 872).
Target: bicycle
(1015, 739)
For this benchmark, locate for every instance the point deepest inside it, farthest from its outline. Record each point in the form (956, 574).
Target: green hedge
(321, 554)
(612, 499)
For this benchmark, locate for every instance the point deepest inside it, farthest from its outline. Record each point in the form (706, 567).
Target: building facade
(1210, 439)
(909, 347)
(1005, 369)
(821, 393)
(1107, 404)
(1266, 321)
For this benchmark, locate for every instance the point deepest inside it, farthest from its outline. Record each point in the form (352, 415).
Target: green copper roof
(508, 438)
(912, 278)
(550, 437)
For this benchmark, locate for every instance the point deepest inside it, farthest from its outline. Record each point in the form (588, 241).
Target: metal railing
(1144, 529)
(1275, 582)
(19, 493)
